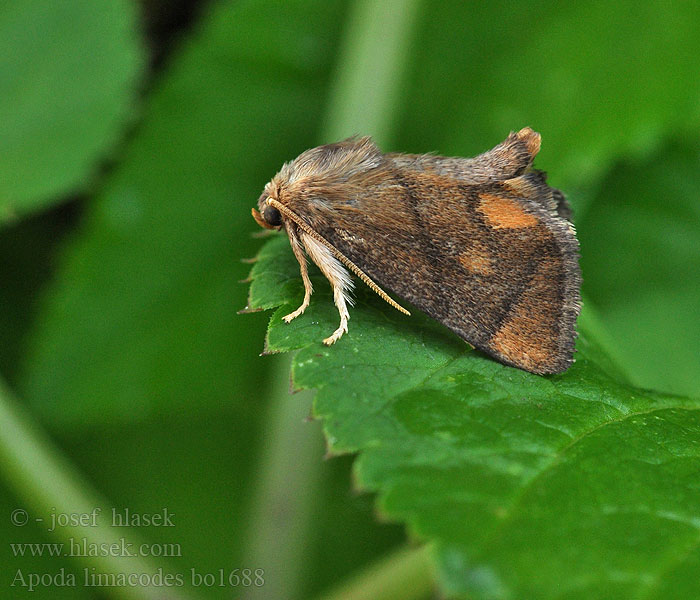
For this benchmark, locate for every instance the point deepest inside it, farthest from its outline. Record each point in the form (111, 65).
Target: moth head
(317, 177)
(267, 216)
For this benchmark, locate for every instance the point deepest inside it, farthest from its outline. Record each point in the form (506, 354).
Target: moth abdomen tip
(531, 138)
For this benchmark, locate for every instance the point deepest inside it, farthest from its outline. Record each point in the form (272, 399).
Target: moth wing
(508, 159)
(492, 261)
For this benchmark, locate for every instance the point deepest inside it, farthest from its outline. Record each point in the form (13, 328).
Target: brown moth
(483, 245)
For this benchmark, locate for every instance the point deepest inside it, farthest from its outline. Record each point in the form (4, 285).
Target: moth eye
(272, 216)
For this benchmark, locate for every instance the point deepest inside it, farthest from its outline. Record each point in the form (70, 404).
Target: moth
(483, 245)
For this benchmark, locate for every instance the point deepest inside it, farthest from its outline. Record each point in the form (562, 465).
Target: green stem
(372, 63)
(289, 475)
(47, 484)
(405, 574)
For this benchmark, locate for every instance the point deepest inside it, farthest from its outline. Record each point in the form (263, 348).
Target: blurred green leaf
(575, 485)
(141, 319)
(70, 72)
(139, 323)
(26, 257)
(641, 262)
(596, 79)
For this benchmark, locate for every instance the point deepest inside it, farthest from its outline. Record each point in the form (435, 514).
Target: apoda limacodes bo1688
(483, 245)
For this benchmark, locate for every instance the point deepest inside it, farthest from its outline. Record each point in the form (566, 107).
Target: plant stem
(405, 574)
(285, 490)
(372, 62)
(48, 484)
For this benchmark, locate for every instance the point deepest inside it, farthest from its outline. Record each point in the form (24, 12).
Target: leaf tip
(249, 309)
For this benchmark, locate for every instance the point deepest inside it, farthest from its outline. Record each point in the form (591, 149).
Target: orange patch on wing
(529, 337)
(476, 260)
(518, 341)
(504, 213)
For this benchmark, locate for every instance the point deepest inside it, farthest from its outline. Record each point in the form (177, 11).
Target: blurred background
(135, 137)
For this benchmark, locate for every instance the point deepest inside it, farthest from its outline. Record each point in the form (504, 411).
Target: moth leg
(307, 232)
(339, 298)
(339, 279)
(308, 287)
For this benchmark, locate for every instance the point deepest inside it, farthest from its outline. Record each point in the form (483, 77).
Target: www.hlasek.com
(81, 547)
(91, 578)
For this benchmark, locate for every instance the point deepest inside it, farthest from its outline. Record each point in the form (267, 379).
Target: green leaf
(649, 303)
(141, 319)
(70, 72)
(571, 486)
(596, 79)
